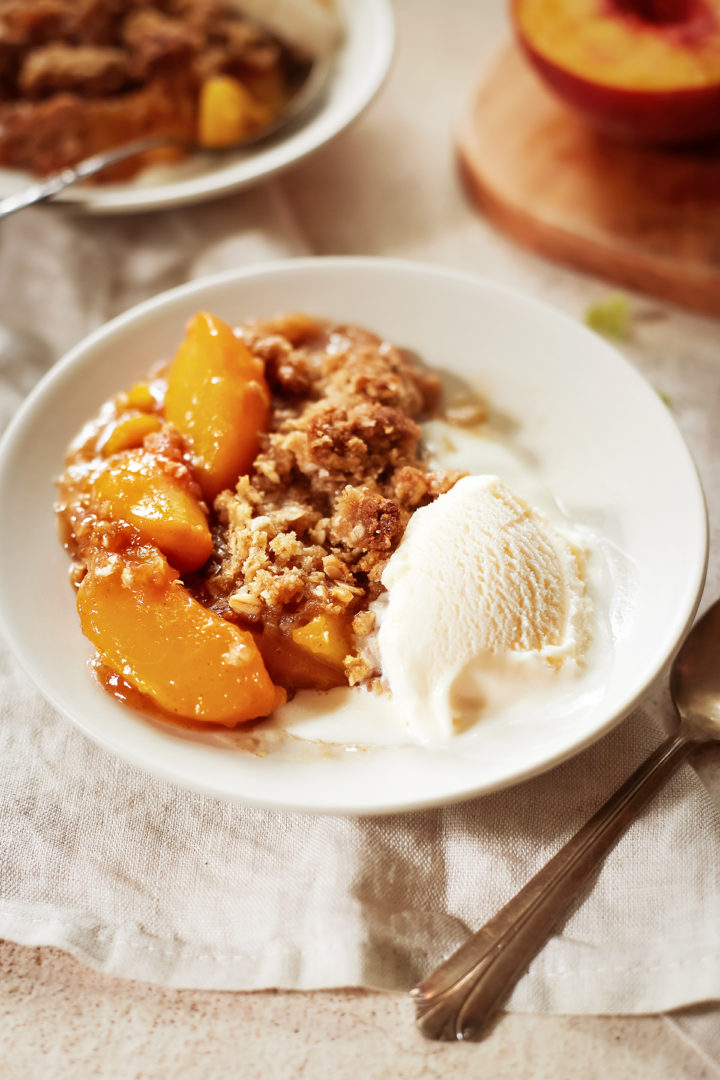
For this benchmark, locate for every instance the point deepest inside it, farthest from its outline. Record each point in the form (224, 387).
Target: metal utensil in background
(461, 997)
(307, 97)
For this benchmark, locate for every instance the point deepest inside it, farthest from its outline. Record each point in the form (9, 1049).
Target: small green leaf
(610, 318)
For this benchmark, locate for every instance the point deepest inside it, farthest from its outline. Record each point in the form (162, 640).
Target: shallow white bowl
(362, 63)
(602, 438)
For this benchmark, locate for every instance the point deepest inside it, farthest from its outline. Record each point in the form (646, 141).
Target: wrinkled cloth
(145, 880)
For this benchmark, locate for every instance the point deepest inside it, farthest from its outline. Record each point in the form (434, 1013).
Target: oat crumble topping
(333, 488)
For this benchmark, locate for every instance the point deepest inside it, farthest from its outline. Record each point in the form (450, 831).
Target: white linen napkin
(143, 879)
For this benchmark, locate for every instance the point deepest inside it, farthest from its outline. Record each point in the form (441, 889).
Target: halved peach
(219, 401)
(191, 662)
(134, 488)
(645, 70)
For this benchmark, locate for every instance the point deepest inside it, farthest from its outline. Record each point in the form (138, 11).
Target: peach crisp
(81, 76)
(229, 517)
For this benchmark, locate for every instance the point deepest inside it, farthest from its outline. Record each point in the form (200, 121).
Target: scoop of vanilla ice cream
(485, 598)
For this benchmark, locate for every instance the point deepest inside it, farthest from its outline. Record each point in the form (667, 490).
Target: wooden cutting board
(645, 218)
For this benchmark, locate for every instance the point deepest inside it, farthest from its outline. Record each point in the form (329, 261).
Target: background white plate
(603, 439)
(362, 64)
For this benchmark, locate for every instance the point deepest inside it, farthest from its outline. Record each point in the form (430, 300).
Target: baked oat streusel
(340, 472)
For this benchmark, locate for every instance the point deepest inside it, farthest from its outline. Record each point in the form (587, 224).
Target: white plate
(362, 64)
(601, 437)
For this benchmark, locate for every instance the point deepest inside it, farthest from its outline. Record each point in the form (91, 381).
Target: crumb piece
(157, 42)
(467, 412)
(364, 623)
(83, 69)
(236, 654)
(366, 521)
(358, 670)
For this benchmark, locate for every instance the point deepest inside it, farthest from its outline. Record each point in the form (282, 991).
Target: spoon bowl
(695, 678)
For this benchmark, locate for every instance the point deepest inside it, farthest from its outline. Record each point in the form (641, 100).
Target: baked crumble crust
(338, 477)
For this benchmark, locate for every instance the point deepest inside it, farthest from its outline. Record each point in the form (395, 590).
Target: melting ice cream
(486, 600)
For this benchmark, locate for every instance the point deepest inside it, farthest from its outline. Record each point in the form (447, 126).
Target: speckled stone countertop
(61, 1021)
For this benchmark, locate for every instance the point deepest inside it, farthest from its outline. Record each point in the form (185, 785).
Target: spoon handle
(459, 998)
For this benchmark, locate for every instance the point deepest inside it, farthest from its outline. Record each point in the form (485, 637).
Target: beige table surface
(59, 1019)
(62, 1021)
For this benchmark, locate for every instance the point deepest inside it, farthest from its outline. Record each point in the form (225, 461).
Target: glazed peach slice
(219, 401)
(146, 396)
(326, 638)
(135, 488)
(228, 113)
(188, 660)
(309, 657)
(129, 432)
(294, 667)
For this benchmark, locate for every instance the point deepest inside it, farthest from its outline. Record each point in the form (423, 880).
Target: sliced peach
(219, 401)
(295, 667)
(144, 396)
(326, 638)
(192, 663)
(129, 433)
(228, 113)
(134, 488)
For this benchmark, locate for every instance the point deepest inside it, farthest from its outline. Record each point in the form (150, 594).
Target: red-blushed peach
(643, 70)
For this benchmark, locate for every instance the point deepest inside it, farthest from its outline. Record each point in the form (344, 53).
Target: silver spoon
(309, 95)
(460, 998)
